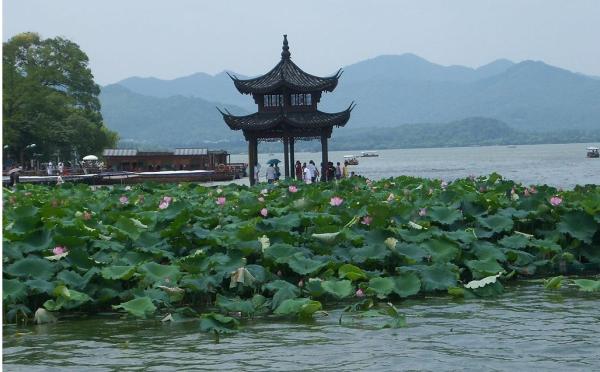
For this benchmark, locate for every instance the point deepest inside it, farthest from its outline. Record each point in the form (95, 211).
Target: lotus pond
(220, 258)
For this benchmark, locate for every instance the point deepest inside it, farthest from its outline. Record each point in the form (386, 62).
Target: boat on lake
(351, 159)
(593, 152)
(369, 154)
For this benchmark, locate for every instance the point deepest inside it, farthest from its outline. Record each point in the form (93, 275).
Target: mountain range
(390, 91)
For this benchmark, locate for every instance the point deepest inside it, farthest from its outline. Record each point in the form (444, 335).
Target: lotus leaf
(304, 308)
(588, 285)
(407, 284)
(579, 225)
(382, 286)
(283, 291)
(348, 271)
(140, 307)
(154, 272)
(441, 250)
(439, 276)
(474, 284)
(338, 288)
(31, 266)
(303, 266)
(214, 322)
(517, 241)
(496, 223)
(484, 268)
(444, 215)
(43, 316)
(13, 290)
(118, 272)
(554, 282)
(241, 276)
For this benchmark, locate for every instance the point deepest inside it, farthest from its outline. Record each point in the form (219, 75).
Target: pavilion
(287, 99)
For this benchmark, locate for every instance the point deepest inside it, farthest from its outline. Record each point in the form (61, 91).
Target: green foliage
(50, 98)
(140, 307)
(196, 254)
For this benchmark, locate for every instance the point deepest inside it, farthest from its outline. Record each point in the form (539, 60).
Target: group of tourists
(308, 172)
(57, 169)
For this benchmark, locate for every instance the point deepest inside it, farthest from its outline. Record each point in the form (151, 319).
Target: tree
(50, 99)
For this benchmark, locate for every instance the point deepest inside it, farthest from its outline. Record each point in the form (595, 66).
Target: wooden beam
(251, 162)
(324, 157)
(286, 156)
(292, 165)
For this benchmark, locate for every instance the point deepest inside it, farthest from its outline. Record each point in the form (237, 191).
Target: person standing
(270, 174)
(338, 171)
(308, 175)
(313, 171)
(299, 172)
(50, 168)
(345, 170)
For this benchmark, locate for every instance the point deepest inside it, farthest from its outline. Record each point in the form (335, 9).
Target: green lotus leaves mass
(76, 249)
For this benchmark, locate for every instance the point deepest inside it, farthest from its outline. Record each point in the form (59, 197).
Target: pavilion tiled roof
(301, 120)
(286, 74)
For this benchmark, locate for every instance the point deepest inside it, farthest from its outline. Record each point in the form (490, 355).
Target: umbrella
(90, 157)
(14, 170)
(274, 161)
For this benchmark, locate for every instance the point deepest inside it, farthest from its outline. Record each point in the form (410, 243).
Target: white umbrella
(90, 157)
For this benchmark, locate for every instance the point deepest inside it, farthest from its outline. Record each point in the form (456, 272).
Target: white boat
(350, 159)
(369, 154)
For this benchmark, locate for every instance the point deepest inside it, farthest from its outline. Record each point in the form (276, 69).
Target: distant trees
(50, 99)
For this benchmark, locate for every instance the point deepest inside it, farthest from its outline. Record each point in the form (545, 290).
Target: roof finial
(285, 54)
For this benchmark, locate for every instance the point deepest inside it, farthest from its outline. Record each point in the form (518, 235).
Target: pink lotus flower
(360, 293)
(264, 212)
(367, 220)
(293, 189)
(423, 212)
(221, 200)
(123, 199)
(336, 201)
(261, 199)
(555, 201)
(163, 205)
(59, 250)
(167, 199)
(87, 216)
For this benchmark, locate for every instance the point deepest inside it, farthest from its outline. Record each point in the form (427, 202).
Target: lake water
(563, 165)
(526, 329)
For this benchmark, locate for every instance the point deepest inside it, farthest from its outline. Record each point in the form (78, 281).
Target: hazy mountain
(165, 122)
(215, 88)
(391, 91)
(528, 95)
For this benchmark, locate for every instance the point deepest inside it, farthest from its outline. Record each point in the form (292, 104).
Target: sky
(170, 39)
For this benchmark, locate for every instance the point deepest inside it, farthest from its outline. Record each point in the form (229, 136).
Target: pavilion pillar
(324, 157)
(286, 156)
(292, 165)
(251, 161)
(255, 153)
